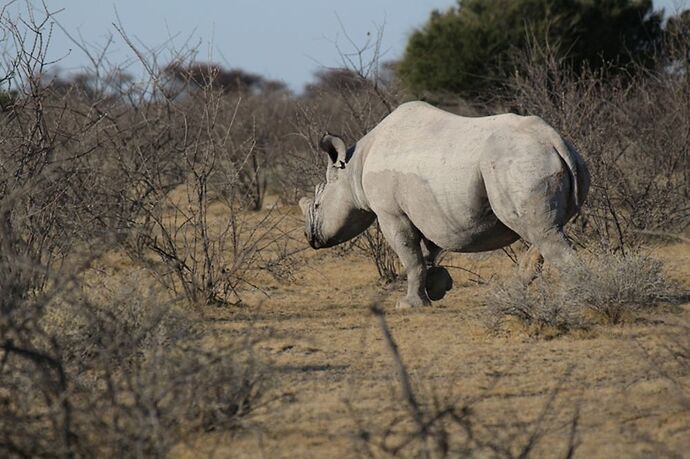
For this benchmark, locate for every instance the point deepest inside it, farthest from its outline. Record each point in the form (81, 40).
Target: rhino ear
(336, 149)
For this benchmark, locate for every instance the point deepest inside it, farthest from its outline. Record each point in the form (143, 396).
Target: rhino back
(426, 163)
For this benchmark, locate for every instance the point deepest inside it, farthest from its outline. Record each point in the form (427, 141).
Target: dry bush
(540, 305)
(612, 287)
(262, 119)
(167, 375)
(130, 375)
(175, 165)
(82, 165)
(167, 167)
(373, 244)
(204, 243)
(45, 206)
(633, 131)
(104, 158)
(615, 285)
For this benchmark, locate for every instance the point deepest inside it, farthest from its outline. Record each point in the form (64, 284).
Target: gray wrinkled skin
(437, 181)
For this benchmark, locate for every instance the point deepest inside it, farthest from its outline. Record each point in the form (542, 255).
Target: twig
(404, 376)
(664, 234)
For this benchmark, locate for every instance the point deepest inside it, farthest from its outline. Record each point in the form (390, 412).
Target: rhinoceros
(437, 181)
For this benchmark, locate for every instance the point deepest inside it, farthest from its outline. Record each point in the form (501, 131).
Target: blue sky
(282, 39)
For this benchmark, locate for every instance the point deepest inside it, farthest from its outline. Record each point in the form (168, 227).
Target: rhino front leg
(405, 240)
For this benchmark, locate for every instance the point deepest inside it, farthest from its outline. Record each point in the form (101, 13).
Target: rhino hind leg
(555, 249)
(531, 263)
(535, 206)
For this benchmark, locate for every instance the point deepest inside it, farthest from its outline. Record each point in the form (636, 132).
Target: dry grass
(340, 391)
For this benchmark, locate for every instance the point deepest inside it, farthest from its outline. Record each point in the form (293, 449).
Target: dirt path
(624, 391)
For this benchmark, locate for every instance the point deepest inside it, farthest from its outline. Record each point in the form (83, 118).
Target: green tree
(470, 49)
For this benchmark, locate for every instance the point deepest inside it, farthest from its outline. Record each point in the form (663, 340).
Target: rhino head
(332, 215)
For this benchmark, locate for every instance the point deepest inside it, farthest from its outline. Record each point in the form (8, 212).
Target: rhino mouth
(311, 231)
(313, 239)
(314, 243)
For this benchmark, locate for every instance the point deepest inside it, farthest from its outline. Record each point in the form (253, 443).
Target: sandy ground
(614, 391)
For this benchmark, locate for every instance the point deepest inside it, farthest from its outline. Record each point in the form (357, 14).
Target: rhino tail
(578, 171)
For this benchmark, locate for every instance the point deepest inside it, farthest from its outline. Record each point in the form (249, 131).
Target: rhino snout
(313, 241)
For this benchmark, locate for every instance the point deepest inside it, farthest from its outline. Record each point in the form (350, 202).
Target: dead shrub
(131, 375)
(261, 120)
(125, 373)
(185, 167)
(375, 247)
(611, 287)
(45, 209)
(169, 375)
(539, 305)
(195, 232)
(616, 285)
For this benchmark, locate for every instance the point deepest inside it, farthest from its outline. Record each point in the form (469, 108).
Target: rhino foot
(438, 282)
(408, 303)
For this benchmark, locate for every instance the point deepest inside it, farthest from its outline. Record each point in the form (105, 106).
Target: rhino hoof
(406, 303)
(438, 282)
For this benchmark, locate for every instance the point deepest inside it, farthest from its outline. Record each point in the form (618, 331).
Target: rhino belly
(452, 210)
(456, 215)
(466, 233)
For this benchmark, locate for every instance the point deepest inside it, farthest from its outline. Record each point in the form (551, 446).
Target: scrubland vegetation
(137, 216)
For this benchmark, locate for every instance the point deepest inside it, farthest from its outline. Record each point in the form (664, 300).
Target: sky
(285, 40)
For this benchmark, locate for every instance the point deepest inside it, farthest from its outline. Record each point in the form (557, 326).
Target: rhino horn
(336, 149)
(304, 204)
